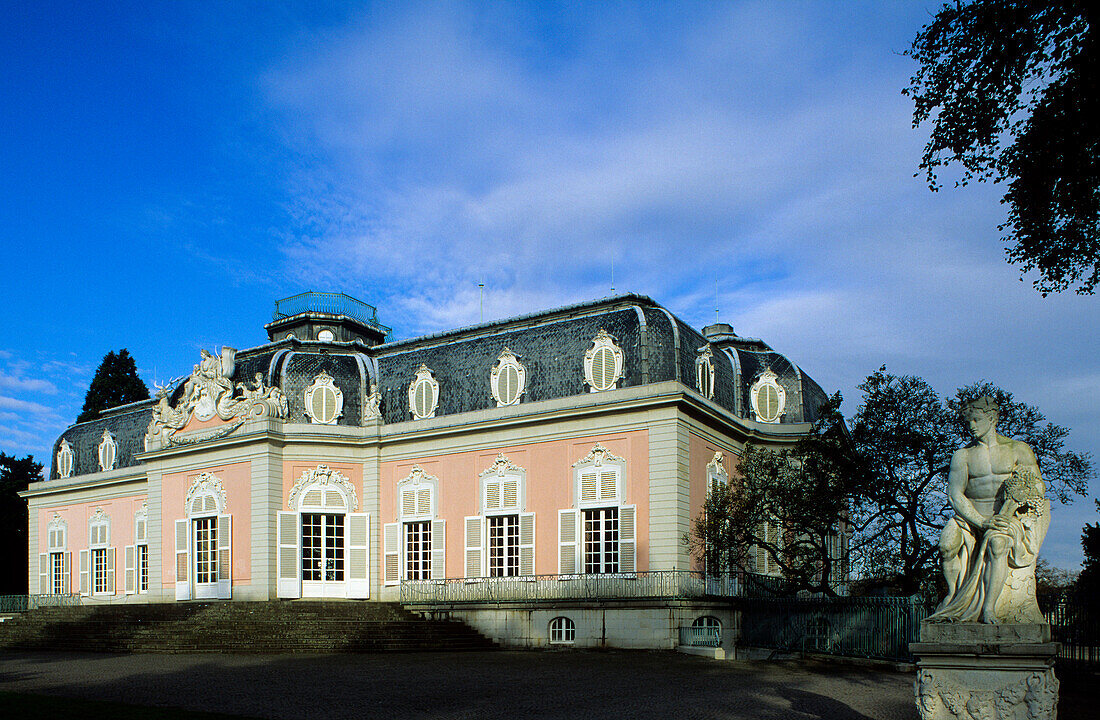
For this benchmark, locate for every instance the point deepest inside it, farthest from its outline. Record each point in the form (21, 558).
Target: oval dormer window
(326, 336)
(768, 398)
(108, 451)
(603, 363)
(65, 459)
(423, 394)
(324, 401)
(508, 379)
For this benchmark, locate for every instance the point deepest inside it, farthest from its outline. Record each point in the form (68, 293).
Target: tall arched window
(500, 541)
(323, 543)
(54, 565)
(415, 546)
(97, 563)
(204, 542)
(597, 535)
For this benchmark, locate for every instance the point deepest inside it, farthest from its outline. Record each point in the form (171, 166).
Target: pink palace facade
(535, 476)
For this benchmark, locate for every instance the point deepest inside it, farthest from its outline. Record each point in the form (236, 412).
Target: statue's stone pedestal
(986, 672)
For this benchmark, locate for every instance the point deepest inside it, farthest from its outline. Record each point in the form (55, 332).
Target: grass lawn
(20, 705)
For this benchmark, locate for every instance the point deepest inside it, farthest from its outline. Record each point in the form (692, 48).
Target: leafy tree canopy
(116, 382)
(1088, 582)
(1011, 90)
(15, 475)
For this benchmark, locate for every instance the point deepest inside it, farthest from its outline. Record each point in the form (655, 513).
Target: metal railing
(23, 603)
(697, 636)
(656, 584)
(1075, 623)
(330, 303)
(871, 627)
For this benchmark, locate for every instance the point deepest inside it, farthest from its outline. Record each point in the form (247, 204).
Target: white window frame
(424, 378)
(562, 631)
(324, 383)
(601, 344)
(716, 472)
(507, 359)
(500, 482)
(417, 485)
(65, 459)
(55, 565)
(101, 555)
(704, 372)
(108, 451)
(599, 483)
(137, 555)
(206, 499)
(313, 494)
(768, 379)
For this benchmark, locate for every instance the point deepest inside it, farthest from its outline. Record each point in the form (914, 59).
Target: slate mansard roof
(656, 345)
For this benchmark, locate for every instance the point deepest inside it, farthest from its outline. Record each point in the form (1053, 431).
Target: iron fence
(657, 584)
(1075, 623)
(23, 603)
(871, 627)
(699, 636)
(330, 303)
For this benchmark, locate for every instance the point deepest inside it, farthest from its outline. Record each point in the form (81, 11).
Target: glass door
(323, 550)
(204, 532)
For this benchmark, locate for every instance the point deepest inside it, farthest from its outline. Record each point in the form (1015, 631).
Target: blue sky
(171, 169)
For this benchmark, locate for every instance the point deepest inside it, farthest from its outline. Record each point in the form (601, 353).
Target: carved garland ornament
(501, 466)
(1038, 692)
(322, 476)
(207, 483)
(597, 456)
(209, 393)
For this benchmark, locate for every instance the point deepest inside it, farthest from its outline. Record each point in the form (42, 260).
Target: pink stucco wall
(549, 489)
(700, 453)
(237, 480)
(76, 515)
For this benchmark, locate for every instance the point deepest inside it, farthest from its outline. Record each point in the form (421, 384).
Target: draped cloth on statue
(1016, 603)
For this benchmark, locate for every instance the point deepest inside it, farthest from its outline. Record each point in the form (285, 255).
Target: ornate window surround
(500, 472)
(716, 472)
(323, 383)
(508, 359)
(704, 372)
(598, 458)
(64, 459)
(417, 482)
(57, 534)
(205, 485)
(768, 380)
(108, 451)
(604, 346)
(325, 477)
(424, 378)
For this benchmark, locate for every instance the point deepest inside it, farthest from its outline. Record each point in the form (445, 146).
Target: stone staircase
(237, 627)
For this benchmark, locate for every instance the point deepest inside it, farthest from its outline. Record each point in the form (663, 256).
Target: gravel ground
(479, 685)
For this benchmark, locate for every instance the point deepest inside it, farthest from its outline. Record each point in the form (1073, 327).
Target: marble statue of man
(990, 546)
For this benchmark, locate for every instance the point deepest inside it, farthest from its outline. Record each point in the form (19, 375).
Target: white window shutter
(609, 484)
(527, 543)
(439, 549)
(492, 495)
(66, 572)
(391, 551)
(358, 555)
(225, 557)
(130, 562)
(510, 494)
(183, 559)
(589, 491)
(627, 539)
(110, 571)
(424, 501)
(84, 587)
(474, 550)
(408, 502)
(43, 574)
(289, 584)
(567, 542)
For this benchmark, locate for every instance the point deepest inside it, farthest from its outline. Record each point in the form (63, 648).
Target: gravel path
(479, 685)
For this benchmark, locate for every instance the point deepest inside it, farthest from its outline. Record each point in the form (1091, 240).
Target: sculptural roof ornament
(208, 393)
